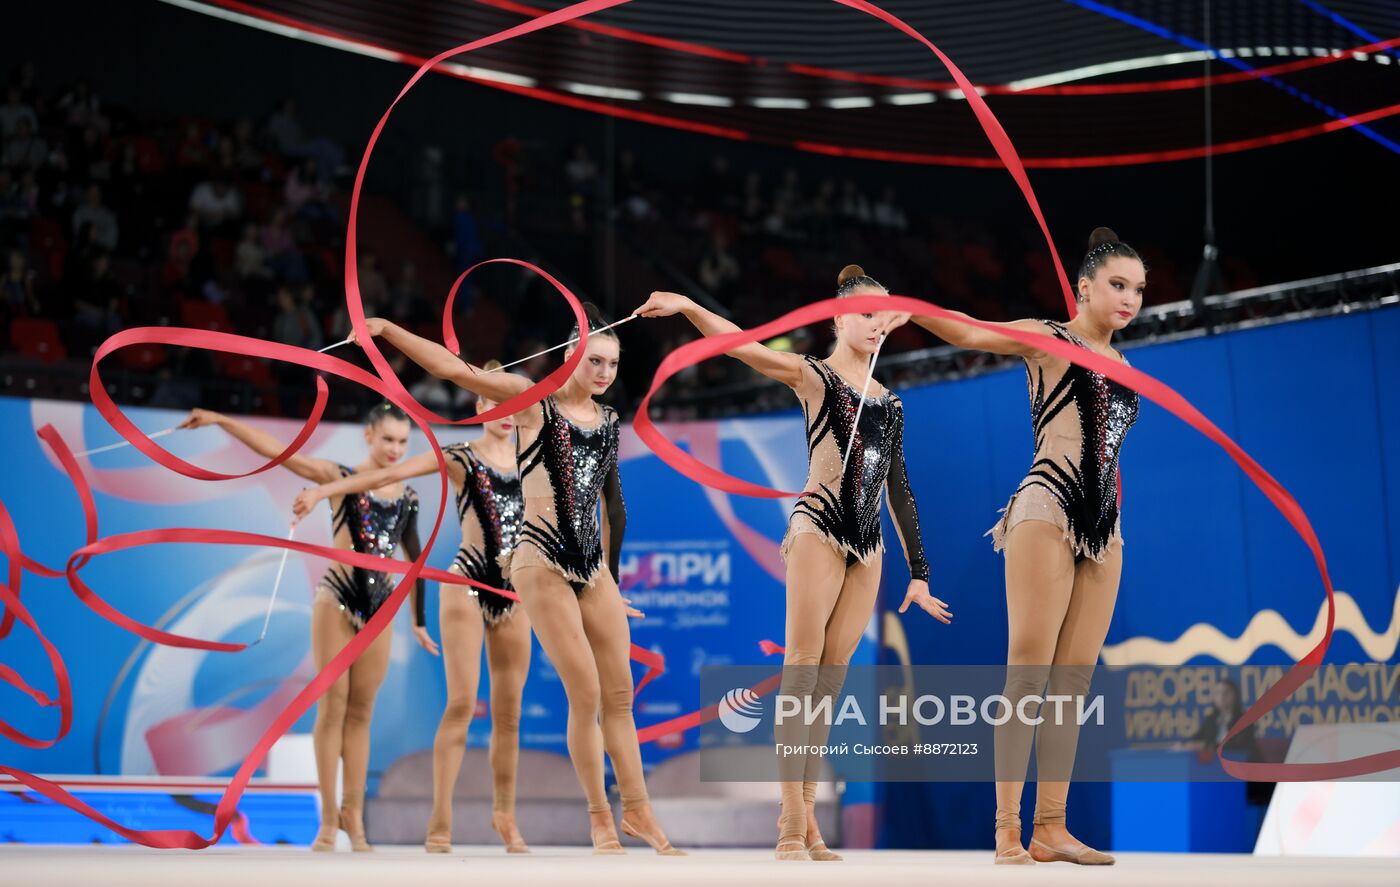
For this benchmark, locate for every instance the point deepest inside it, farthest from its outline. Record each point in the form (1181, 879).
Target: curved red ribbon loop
(9, 596)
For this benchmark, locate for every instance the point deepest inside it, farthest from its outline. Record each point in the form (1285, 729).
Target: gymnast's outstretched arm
(443, 364)
(976, 338)
(783, 366)
(265, 445)
(360, 481)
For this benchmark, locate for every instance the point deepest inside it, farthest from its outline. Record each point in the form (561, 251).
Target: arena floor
(110, 866)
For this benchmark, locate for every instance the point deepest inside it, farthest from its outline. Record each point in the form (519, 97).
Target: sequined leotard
(371, 525)
(562, 472)
(845, 509)
(490, 509)
(1079, 418)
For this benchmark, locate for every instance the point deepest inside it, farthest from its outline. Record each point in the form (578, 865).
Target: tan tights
(588, 641)
(508, 657)
(828, 608)
(341, 731)
(1058, 613)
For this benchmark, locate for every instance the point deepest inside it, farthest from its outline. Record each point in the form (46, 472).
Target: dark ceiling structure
(1076, 83)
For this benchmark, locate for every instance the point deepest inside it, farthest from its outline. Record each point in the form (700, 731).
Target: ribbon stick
(336, 345)
(855, 425)
(276, 584)
(564, 344)
(124, 443)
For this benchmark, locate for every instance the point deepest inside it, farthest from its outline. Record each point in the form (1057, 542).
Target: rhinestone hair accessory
(855, 283)
(1102, 248)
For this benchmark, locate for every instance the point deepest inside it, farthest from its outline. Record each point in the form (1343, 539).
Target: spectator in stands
(25, 149)
(778, 222)
(789, 191)
(280, 248)
(54, 181)
(719, 270)
(96, 305)
(17, 288)
(305, 195)
(179, 256)
(374, 294)
(632, 189)
(429, 187)
(13, 211)
(127, 189)
(854, 208)
(175, 391)
(91, 157)
(374, 289)
(408, 299)
(1220, 718)
(582, 175)
(247, 156)
(24, 79)
(29, 193)
(249, 259)
(821, 215)
(225, 157)
(81, 107)
(887, 213)
(285, 130)
(14, 111)
(311, 304)
(217, 203)
(193, 150)
(295, 324)
(99, 218)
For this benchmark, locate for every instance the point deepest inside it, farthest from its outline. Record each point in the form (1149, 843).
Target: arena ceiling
(1076, 83)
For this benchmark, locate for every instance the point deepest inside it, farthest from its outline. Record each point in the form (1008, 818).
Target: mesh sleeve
(904, 511)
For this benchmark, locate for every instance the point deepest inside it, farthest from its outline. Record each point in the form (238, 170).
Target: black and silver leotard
(491, 510)
(371, 525)
(844, 507)
(563, 470)
(1079, 418)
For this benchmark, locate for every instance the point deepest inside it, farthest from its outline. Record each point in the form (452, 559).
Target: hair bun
(1102, 236)
(850, 272)
(594, 315)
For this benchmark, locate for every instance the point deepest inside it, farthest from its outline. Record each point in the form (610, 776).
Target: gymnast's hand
(200, 418)
(892, 320)
(633, 611)
(373, 325)
(918, 594)
(425, 640)
(305, 501)
(662, 304)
